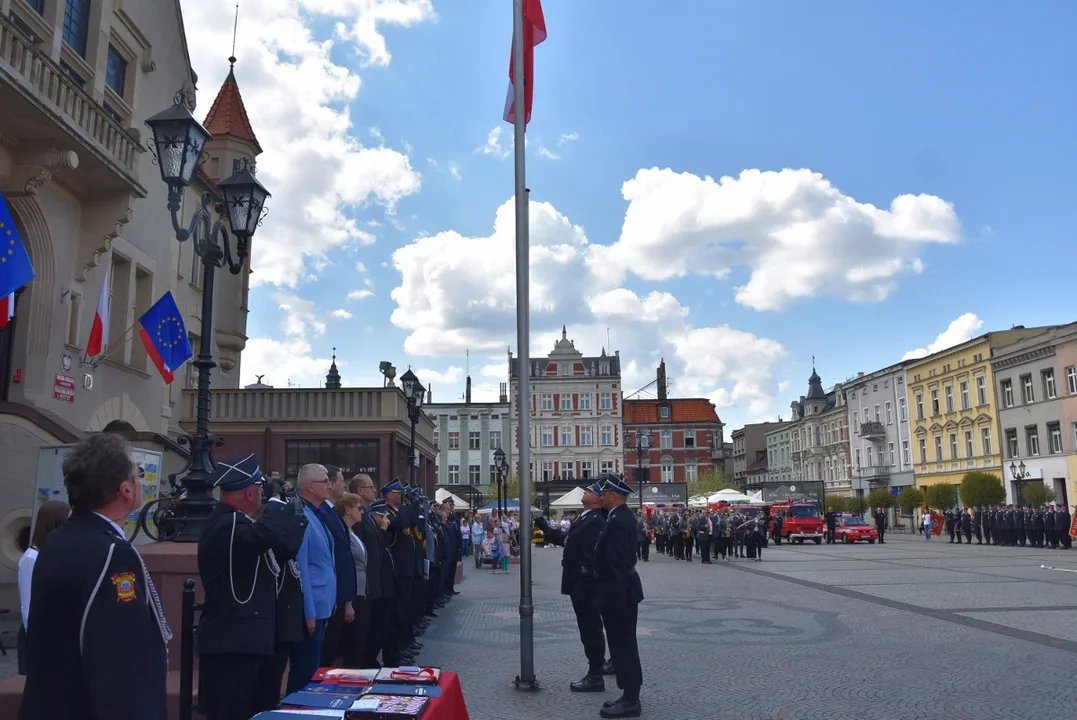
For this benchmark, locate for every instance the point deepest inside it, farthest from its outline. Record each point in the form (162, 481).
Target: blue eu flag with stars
(165, 336)
(15, 267)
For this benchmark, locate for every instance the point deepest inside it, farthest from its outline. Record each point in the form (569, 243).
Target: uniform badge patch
(124, 582)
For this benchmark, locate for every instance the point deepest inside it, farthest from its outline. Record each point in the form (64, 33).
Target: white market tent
(513, 505)
(729, 495)
(573, 500)
(441, 495)
(697, 501)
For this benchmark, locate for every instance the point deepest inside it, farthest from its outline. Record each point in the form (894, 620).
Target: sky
(734, 187)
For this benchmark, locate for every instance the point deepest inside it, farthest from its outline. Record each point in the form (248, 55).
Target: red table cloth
(450, 706)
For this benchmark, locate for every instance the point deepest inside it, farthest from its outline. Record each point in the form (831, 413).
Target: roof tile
(681, 410)
(228, 116)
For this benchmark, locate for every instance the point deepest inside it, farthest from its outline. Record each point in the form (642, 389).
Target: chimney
(467, 391)
(430, 394)
(662, 381)
(503, 395)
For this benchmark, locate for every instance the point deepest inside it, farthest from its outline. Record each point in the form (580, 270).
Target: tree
(856, 504)
(941, 496)
(909, 500)
(880, 498)
(982, 488)
(1036, 494)
(707, 483)
(835, 503)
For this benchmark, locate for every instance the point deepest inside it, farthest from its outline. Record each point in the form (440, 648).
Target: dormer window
(604, 368)
(564, 368)
(663, 412)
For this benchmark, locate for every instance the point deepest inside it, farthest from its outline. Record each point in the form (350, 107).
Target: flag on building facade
(7, 310)
(534, 33)
(165, 337)
(99, 330)
(15, 267)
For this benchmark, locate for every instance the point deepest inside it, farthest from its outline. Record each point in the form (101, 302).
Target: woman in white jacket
(926, 523)
(478, 534)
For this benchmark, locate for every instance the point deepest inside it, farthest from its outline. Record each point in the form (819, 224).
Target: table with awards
(404, 693)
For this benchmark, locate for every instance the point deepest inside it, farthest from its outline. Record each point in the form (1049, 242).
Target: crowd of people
(1010, 525)
(728, 532)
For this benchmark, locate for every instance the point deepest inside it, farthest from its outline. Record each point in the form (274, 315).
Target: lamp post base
(190, 519)
(531, 685)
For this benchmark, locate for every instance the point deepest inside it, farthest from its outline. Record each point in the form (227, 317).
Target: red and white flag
(7, 310)
(534, 33)
(99, 329)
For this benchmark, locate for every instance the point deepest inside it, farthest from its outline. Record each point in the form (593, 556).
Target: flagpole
(526, 679)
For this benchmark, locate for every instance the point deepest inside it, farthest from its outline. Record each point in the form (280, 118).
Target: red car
(852, 529)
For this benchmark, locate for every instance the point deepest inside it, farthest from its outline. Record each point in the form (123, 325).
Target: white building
(780, 456)
(819, 438)
(467, 434)
(880, 439)
(576, 413)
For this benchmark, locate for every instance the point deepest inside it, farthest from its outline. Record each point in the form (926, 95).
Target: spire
(564, 332)
(332, 379)
(815, 383)
(228, 116)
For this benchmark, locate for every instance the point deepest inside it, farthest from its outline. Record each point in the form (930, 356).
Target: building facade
(685, 436)
(1036, 386)
(467, 434)
(779, 456)
(820, 440)
(750, 446)
(880, 440)
(77, 82)
(953, 409)
(576, 415)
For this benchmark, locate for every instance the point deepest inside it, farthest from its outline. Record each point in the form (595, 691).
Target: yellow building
(953, 410)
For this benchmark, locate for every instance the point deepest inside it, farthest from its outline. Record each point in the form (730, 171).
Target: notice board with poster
(50, 483)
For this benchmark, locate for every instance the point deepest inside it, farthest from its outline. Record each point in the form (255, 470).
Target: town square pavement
(910, 629)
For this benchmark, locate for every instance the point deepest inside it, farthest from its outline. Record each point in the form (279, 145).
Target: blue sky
(375, 116)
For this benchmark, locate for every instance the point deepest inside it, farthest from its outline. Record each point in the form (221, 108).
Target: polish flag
(99, 330)
(7, 310)
(534, 33)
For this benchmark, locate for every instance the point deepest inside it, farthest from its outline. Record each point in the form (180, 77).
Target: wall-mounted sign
(64, 388)
(65, 362)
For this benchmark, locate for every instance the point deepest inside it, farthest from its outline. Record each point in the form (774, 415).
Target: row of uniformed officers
(1011, 525)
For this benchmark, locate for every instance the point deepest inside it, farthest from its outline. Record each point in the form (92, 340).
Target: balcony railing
(872, 429)
(29, 67)
(876, 474)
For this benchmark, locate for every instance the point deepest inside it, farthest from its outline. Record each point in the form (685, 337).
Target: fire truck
(800, 521)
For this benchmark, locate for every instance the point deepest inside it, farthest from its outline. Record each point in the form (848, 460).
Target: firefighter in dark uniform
(1050, 536)
(619, 594)
(966, 525)
(1019, 525)
(950, 522)
(402, 548)
(977, 524)
(989, 523)
(97, 634)
(1030, 517)
(1037, 528)
(239, 570)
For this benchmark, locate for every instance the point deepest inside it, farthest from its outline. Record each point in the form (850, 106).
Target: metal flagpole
(526, 679)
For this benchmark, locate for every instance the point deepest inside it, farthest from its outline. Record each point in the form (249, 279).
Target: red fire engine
(800, 521)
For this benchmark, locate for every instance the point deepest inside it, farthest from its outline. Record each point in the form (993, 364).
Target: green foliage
(511, 489)
(835, 503)
(941, 496)
(856, 504)
(710, 482)
(1036, 494)
(910, 499)
(880, 498)
(982, 488)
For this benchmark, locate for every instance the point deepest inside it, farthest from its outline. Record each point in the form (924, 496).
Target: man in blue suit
(317, 570)
(344, 614)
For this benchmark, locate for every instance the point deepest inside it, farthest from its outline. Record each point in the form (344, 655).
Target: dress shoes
(611, 703)
(589, 683)
(608, 669)
(622, 709)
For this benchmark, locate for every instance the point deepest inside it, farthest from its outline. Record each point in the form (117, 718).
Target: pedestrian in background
(50, 516)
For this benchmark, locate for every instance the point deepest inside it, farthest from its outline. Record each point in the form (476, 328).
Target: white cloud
(283, 361)
(546, 153)
(298, 99)
(360, 267)
(450, 375)
(493, 145)
(359, 294)
(496, 371)
(298, 315)
(454, 170)
(341, 314)
(568, 137)
(961, 329)
(376, 134)
(797, 234)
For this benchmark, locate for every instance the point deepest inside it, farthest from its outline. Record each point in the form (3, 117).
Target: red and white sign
(64, 388)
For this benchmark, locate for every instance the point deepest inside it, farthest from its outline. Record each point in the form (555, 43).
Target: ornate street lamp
(414, 392)
(178, 142)
(501, 465)
(643, 443)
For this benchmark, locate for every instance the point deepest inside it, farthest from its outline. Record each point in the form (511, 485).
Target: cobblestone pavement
(910, 629)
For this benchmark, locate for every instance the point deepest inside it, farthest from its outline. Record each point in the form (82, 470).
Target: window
(565, 401)
(902, 410)
(667, 473)
(663, 412)
(568, 470)
(1032, 435)
(604, 368)
(606, 466)
(547, 470)
(454, 474)
(1011, 442)
(981, 390)
(1029, 392)
(474, 474)
(691, 471)
(934, 403)
(877, 417)
(964, 394)
(547, 437)
(1071, 379)
(585, 401)
(892, 455)
(689, 438)
(970, 451)
(115, 71)
(906, 455)
(949, 398)
(1007, 393)
(77, 24)
(547, 401)
(882, 461)
(923, 450)
(605, 401)
(858, 457)
(38, 5)
(985, 438)
(473, 441)
(585, 435)
(889, 414)
(564, 368)
(454, 441)
(1048, 383)
(856, 422)
(566, 436)
(495, 439)
(606, 435)
(665, 439)
(1054, 431)
(953, 446)
(938, 448)
(919, 406)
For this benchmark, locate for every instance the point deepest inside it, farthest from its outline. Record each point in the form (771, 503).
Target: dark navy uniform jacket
(615, 560)
(578, 558)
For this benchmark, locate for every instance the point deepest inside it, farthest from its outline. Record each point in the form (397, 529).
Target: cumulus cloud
(341, 314)
(548, 154)
(961, 329)
(493, 146)
(568, 137)
(283, 362)
(450, 375)
(359, 294)
(454, 170)
(298, 99)
(798, 235)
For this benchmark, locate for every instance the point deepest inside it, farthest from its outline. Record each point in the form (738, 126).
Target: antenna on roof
(235, 30)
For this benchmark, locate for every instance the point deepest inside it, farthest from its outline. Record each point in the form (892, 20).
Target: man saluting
(619, 594)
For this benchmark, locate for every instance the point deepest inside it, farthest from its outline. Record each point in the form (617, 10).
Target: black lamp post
(643, 443)
(178, 141)
(501, 465)
(413, 393)
(1020, 474)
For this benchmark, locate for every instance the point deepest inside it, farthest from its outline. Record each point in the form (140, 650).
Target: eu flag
(165, 336)
(15, 267)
